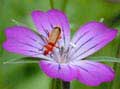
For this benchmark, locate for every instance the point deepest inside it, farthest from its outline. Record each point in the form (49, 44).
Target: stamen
(43, 38)
(56, 55)
(73, 45)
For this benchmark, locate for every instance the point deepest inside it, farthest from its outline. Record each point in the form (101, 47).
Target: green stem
(116, 66)
(56, 84)
(114, 83)
(59, 84)
(52, 4)
(1, 41)
(65, 85)
(64, 5)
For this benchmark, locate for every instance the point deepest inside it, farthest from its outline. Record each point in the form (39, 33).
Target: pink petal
(91, 38)
(93, 73)
(23, 41)
(65, 72)
(87, 72)
(41, 22)
(48, 20)
(58, 18)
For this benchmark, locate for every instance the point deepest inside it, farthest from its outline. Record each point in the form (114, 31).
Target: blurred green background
(29, 76)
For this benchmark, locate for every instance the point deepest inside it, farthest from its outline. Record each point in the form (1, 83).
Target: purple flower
(65, 61)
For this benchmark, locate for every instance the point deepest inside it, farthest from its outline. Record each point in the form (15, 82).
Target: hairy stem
(64, 5)
(59, 84)
(65, 85)
(116, 66)
(56, 84)
(52, 4)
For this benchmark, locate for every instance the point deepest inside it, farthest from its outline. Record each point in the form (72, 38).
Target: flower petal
(41, 22)
(46, 21)
(65, 72)
(93, 73)
(58, 18)
(87, 72)
(23, 41)
(91, 38)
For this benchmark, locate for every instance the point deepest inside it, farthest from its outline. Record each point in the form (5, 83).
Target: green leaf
(13, 58)
(6, 56)
(17, 22)
(104, 59)
(21, 62)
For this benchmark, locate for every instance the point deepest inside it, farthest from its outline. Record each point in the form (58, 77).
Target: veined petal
(65, 72)
(23, 41)
(41, 22)
(91, 38)
(46, 21)
(58, 18)
(93, 73)
(87, 72)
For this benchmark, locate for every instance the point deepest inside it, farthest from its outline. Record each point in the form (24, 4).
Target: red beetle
(53, 38)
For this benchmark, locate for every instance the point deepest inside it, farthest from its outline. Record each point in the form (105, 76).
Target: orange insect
(54, 36)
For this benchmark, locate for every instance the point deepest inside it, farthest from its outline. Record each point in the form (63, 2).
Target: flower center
(60, 55)
(53, 49)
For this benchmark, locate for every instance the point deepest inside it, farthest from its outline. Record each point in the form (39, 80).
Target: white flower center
(60, 55)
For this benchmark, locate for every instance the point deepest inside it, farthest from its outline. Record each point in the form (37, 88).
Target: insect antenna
(43, 38)
(45, 30)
